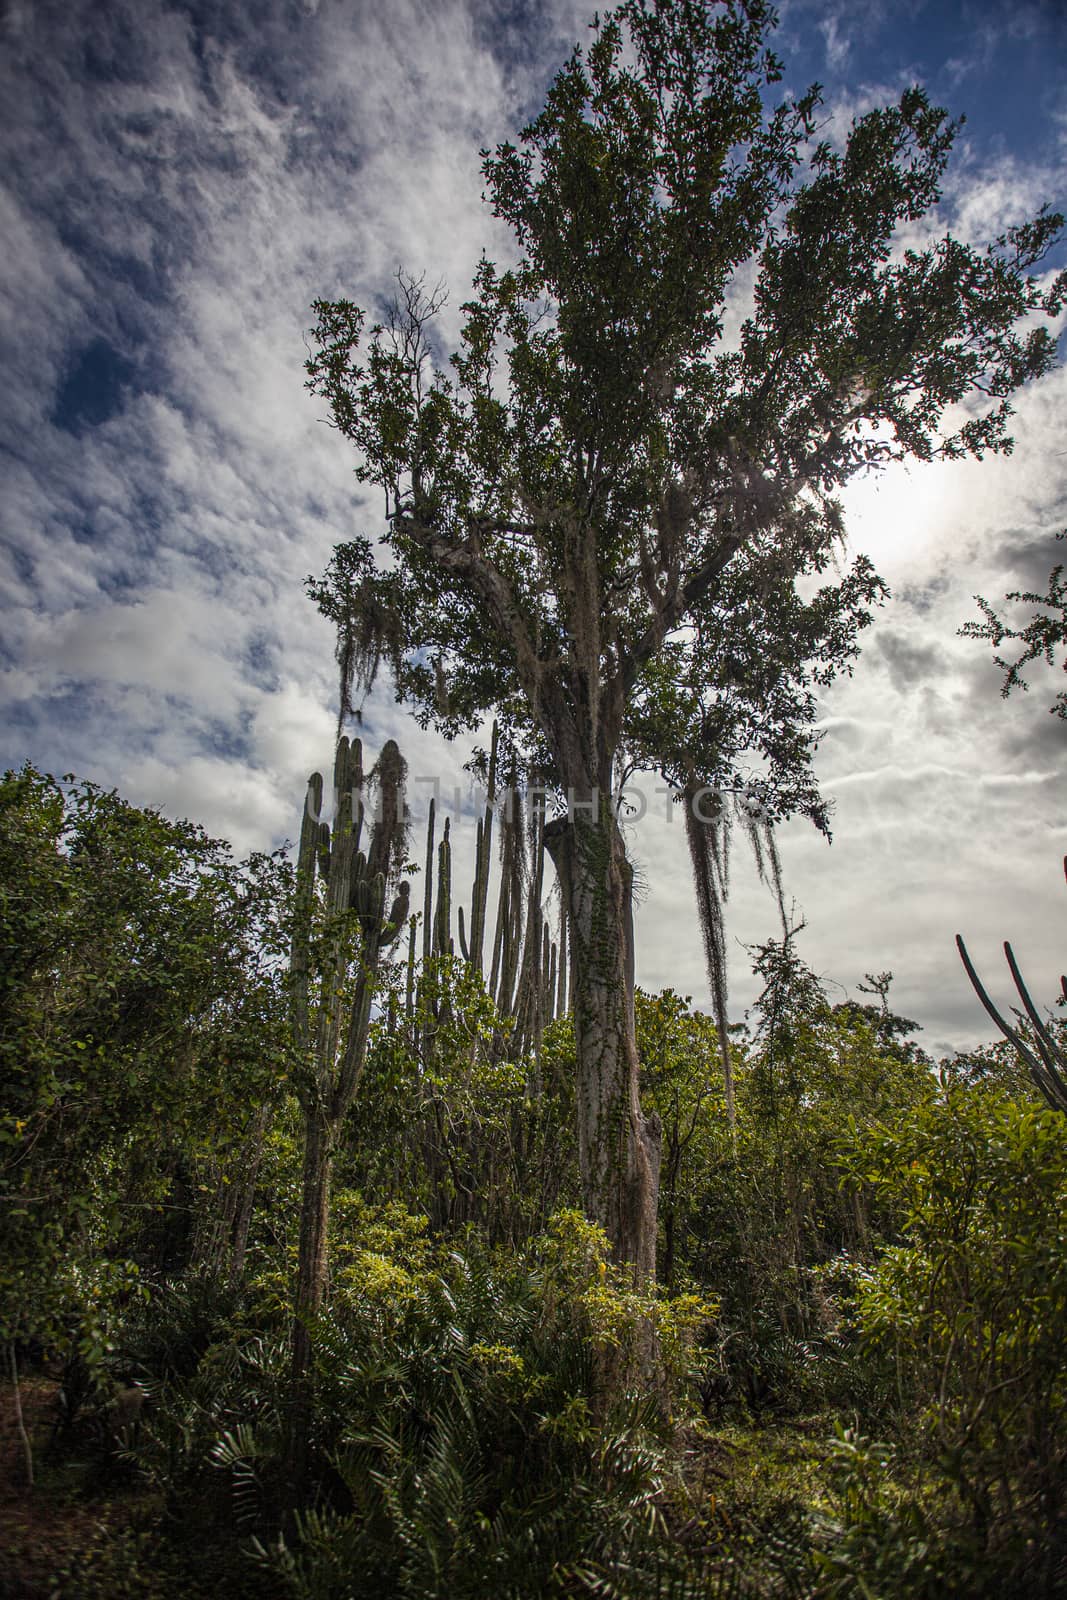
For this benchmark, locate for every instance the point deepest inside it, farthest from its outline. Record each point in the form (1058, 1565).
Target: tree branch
(675, 607)
(540, 683)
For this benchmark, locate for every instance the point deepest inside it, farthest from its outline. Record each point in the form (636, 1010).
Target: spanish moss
(709, 846)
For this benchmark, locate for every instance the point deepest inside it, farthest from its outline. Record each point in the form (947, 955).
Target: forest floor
(49, 1531)
(77, 1534)
(38, 1530)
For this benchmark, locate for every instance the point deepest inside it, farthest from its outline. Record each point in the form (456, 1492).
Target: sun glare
(898, 517)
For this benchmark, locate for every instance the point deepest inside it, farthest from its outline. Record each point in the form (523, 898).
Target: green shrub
(474, 1435)
(971, 1306)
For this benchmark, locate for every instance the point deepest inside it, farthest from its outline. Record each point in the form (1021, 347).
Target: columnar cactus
(409, 985)
(483, 859)
(503, 903)
(511, 904)
(551, 986)
(527, 976)
(427, 903)
(529, 1003)
(355, 929)
(442, 939)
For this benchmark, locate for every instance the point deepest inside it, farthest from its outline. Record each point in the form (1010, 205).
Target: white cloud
(837, 42)
(186, 206)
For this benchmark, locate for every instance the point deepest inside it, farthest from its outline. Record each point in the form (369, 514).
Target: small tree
(596, 524)
(1043, 635)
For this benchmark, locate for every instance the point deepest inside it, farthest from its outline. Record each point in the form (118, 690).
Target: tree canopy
(596, 519)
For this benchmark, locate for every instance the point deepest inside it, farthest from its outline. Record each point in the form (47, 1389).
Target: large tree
(596, 523)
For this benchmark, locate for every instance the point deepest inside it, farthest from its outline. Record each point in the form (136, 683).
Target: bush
(475, 1435)
(971, 1307)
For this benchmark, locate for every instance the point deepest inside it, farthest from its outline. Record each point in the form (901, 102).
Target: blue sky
(179, 182)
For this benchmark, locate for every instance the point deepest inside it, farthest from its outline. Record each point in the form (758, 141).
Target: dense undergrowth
(857, 1386)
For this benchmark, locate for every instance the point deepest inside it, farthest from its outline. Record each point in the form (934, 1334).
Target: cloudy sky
(178, 182)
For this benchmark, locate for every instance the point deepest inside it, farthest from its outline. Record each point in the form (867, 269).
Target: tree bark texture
(618, 1147)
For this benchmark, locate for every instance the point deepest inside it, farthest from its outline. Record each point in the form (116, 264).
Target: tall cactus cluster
(341, 929)
(351, 932)
(526, 979)
(354, 882)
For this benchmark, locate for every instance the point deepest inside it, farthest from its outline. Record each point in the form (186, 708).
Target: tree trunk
(20, 1421)
(310, 1282)
(674, 1162)
(243, 1220)
(618, 1147)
